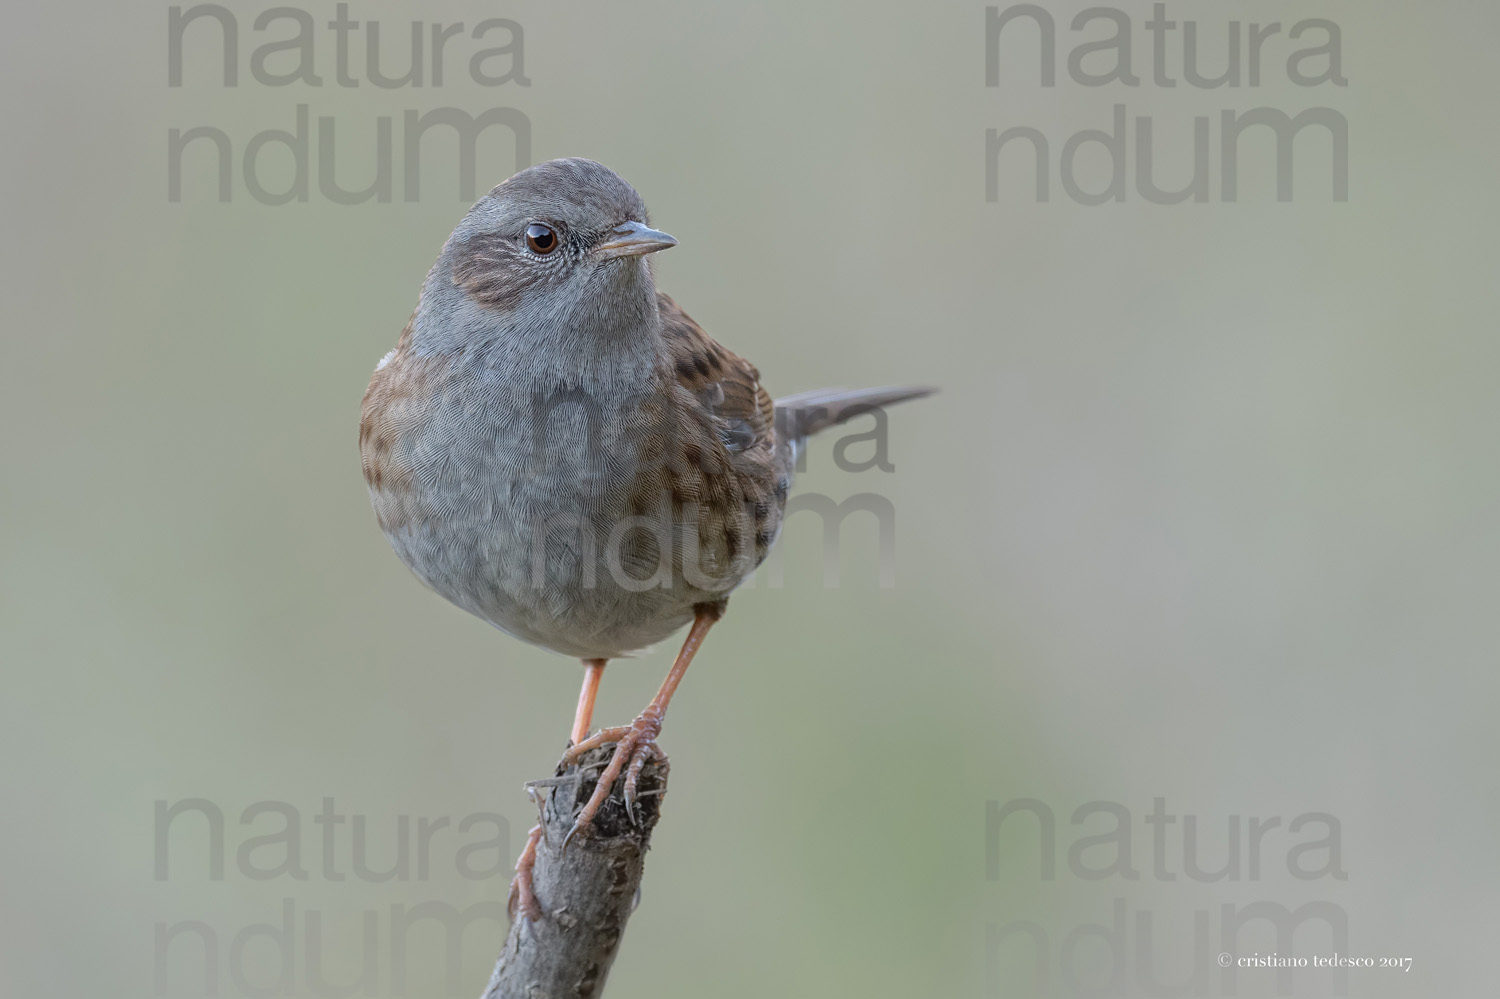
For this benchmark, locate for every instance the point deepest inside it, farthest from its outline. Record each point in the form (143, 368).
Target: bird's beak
(633, 240)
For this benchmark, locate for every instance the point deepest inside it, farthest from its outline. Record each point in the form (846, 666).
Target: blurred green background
(1206, 511)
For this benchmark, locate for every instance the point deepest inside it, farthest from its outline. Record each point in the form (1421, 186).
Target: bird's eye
(541, 238)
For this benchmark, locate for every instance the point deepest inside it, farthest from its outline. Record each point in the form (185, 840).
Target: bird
(556, 447)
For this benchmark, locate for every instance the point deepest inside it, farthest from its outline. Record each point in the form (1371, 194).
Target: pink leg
(593, 670)
(635, 744)
(522, 898)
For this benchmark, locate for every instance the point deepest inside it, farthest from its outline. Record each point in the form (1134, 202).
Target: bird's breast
(572, 519)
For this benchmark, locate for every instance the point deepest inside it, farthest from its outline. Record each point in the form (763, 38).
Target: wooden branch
(586, 893)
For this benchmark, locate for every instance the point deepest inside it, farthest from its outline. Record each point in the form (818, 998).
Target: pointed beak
(633, 240)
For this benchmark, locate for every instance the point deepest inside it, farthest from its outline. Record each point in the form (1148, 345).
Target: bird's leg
(522, 897)
(593, 669)
(636, 743)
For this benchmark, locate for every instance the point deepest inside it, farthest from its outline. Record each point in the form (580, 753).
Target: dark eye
(541, 238)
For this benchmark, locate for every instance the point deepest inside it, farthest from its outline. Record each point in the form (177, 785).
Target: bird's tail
(808, 412)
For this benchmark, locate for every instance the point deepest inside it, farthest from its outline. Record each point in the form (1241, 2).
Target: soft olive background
(1206, 511)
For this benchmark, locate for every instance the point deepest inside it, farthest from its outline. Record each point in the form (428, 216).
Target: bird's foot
(522, 898)
(635, 746)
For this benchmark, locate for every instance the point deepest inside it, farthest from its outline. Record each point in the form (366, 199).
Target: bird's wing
(725, 456)
(726, 385)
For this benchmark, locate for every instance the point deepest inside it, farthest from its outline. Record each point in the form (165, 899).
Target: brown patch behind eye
(491, 270)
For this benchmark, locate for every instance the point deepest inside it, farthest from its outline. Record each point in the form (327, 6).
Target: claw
(645, 751)
(634, 746)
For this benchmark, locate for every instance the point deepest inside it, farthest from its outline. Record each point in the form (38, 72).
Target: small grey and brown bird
(557, 448)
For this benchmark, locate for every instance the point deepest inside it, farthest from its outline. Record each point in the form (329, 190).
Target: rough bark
(585, 893)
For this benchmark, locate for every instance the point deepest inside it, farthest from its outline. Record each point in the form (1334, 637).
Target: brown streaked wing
(727, 385)
(744, 505)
